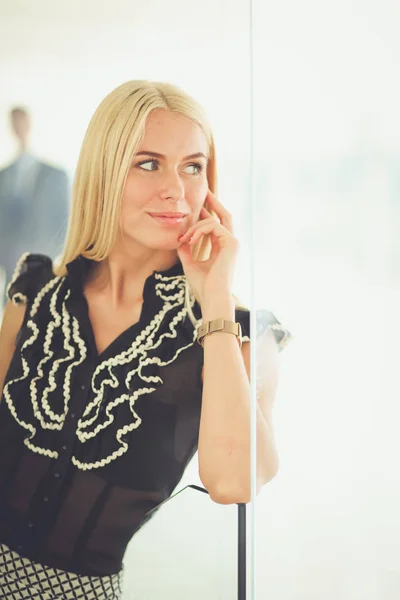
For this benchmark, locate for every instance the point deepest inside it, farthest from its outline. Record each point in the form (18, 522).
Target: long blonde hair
(110, 143)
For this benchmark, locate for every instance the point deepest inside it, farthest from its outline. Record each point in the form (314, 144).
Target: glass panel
(327, 139)
(59, 61)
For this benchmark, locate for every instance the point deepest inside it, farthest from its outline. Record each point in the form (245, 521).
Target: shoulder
(7, 169)
(52, 170)
(31, 273)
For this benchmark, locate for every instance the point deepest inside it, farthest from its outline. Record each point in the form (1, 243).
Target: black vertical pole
(241, 551)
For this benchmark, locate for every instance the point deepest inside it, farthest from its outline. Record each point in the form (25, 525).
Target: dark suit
(33, 217)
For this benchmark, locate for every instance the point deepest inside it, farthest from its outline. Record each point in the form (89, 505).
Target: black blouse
(90, 442)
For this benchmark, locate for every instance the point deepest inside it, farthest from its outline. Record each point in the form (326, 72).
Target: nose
(172, 187)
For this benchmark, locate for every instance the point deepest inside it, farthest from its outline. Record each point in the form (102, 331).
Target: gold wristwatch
(219, 325)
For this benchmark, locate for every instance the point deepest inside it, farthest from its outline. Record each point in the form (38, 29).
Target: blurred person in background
(34, 199)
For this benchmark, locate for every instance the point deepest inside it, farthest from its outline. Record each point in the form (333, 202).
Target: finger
(214, 248)
(223, 214)
(194, 227)
(210, 227)
(204, 214)
(185, 254)
(207, 214)
(206, 225)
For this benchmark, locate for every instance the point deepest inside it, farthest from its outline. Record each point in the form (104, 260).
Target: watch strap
(219, 325)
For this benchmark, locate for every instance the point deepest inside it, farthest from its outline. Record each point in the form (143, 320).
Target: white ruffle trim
(172, 291)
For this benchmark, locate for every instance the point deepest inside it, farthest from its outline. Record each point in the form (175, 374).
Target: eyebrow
(157, 155)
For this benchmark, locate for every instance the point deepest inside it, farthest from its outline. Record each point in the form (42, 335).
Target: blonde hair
(110, 143)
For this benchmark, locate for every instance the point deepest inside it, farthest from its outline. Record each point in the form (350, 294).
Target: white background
(327, 183)
(327, 101)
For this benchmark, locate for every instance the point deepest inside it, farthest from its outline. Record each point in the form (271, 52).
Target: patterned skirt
(22, 578)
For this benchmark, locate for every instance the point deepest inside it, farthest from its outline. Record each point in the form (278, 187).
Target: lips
(168, 215)
(168, 218)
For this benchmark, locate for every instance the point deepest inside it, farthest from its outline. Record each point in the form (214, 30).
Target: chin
(153, 241)
(173, 245)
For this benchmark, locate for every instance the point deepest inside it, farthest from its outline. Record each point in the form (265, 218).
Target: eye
(143, 164)
(197, 168)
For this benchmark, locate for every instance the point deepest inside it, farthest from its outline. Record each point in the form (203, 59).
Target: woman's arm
(13, 318)
(225, 437)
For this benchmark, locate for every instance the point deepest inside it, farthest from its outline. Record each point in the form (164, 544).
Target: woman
(106, 392)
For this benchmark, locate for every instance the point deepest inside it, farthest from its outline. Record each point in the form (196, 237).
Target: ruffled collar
(162, 289)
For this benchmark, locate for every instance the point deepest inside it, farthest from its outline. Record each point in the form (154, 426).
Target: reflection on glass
(327, 132)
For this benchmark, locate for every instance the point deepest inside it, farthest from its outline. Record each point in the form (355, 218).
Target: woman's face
(167, 183)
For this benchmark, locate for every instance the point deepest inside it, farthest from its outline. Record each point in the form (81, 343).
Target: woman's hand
(215, 275)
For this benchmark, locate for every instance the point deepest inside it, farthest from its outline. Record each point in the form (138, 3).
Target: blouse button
(30, 525)
(73, 415)
(45, 499)
(64, 448)
(83, 386)
(57, 475)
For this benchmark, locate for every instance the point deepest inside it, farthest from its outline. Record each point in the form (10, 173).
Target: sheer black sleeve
(31, 273)
(264, 320)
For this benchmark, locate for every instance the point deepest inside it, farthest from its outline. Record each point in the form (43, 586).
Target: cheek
(133, 196)
(129, 207)
(196, 195)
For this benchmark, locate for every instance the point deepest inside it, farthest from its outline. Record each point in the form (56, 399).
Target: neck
(23, 146)
(123, 273)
